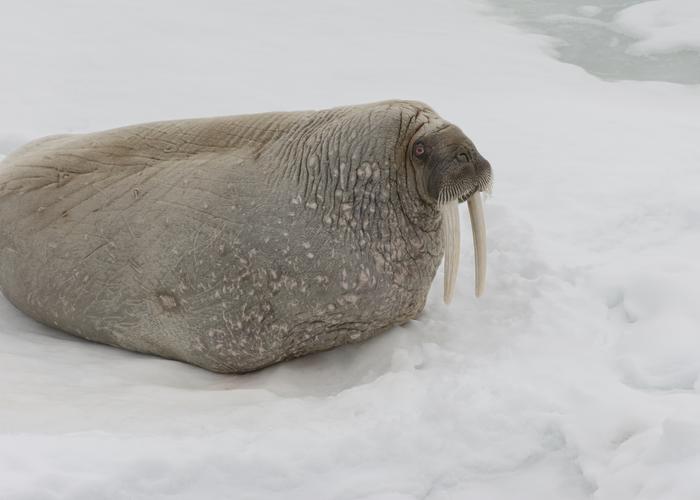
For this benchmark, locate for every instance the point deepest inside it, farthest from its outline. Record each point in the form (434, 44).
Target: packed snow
(576, 375)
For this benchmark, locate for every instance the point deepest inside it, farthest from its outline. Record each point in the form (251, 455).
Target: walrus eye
(419, 149)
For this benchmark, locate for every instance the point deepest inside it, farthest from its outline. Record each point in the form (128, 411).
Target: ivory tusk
(450, 235)
(476, 215)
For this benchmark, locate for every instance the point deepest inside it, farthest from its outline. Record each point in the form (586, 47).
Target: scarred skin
(233, 243)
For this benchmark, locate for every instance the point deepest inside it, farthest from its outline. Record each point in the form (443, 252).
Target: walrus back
(92, 226)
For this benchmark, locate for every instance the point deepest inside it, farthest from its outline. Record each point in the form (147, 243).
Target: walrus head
(453, 171)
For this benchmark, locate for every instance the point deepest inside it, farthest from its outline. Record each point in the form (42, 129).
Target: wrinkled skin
(233, 243)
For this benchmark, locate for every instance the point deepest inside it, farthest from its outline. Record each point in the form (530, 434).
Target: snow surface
(662, 25)
(576, 376)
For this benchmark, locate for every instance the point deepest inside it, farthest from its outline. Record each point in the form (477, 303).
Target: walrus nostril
(462, 157)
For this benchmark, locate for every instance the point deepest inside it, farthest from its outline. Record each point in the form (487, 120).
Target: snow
(577, 375)
(662, 25)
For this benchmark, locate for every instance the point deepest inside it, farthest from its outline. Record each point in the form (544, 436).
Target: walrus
(233, 243)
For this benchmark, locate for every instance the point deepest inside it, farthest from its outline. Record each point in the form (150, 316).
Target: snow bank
(662, 26)
(576, 375)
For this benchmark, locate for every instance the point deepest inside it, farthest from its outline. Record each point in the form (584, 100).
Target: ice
(589, 10)
(618, 39)
(575, 376)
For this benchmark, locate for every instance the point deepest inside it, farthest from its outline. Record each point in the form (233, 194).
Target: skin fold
(237, 242)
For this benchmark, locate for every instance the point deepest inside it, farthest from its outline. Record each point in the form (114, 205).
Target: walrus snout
(454, 167)
(479, 169)
(459, 177)
(483, 172)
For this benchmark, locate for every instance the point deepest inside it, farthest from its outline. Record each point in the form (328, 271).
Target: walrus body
(229, 243)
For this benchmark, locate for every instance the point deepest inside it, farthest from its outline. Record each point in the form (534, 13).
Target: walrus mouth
(451, 239)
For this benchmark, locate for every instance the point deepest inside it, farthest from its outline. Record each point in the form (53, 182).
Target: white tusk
(450, 237)
(476, 214)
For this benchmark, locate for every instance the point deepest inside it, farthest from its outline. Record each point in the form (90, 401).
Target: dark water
(588, 39)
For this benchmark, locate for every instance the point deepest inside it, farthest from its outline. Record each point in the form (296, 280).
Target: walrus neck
(353, 175)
